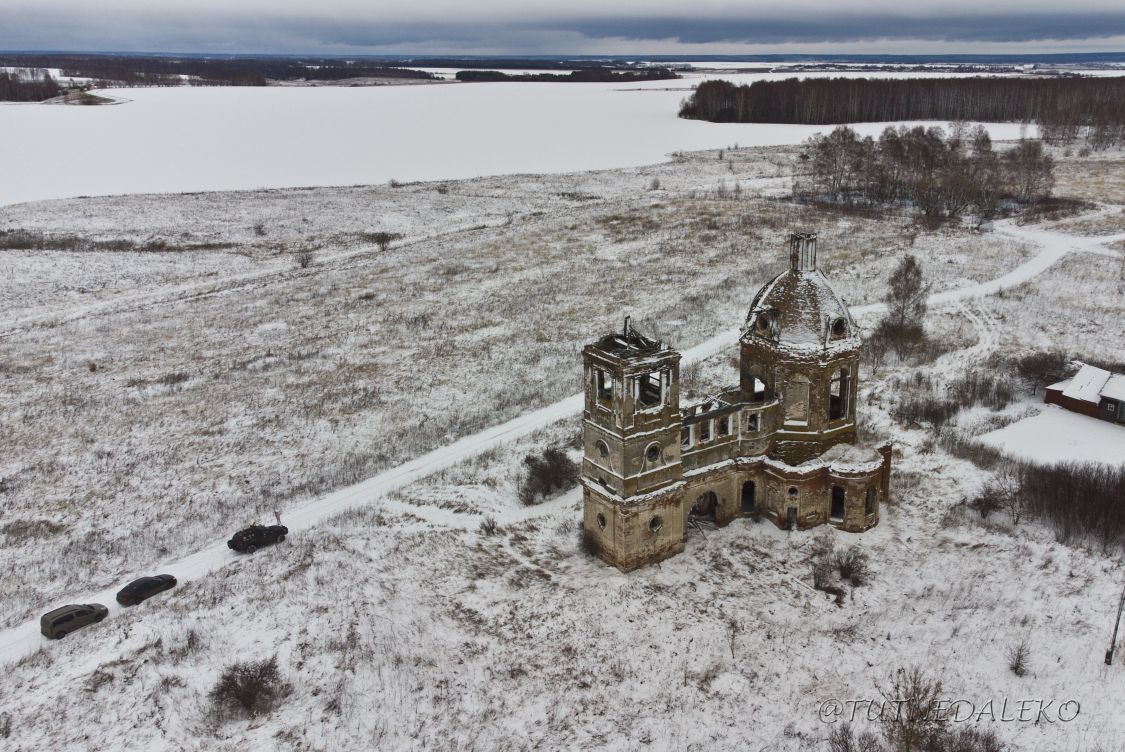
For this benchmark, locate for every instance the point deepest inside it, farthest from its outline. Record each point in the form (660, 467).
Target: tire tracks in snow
(23, 639)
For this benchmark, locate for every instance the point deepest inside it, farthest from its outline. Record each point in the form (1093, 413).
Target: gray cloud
(497, 26)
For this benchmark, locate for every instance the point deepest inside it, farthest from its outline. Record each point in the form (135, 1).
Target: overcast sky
(564, 26)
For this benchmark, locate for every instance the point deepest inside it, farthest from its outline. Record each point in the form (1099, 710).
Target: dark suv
(250, 539)
(65, 619)
(141, 590)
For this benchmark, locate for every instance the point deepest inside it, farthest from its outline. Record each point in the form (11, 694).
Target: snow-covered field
(1056, 435)
(201, 139)
(154, 402)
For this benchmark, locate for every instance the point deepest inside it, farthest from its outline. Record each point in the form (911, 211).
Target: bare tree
(906, 295)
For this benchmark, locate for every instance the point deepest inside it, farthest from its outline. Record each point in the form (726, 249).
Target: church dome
(798, 308)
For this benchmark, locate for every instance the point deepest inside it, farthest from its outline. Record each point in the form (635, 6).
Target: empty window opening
(603, 449)
(603, 383)
(792, 491)
(723, 427)
(652, 454)
(705, 431)
(656, 523)
(601, 521)
(837, 511)
(705, 505)
(869, 504)
(797, 400)
(757, 389)
(752, 422)
(763, 325)
(685, 437)
(838, 390)
(839, 329)
(649, 392)
(748, 500)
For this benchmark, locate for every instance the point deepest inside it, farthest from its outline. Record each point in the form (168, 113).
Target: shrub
(304, 259)
(249, 688)
(488, 526)
(911, 723)
(1018, 656)
(546, 473)
(382, 238)
(853, 565)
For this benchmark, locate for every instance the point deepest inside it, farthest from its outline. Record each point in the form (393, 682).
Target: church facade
(780, 445)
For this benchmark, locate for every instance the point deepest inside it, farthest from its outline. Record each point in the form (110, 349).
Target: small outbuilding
(1092, 391)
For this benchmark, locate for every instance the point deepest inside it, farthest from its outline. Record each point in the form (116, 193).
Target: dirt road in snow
(21, 640)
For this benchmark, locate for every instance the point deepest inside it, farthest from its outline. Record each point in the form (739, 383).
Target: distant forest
(145, 70)
(15, 89)
(1065, 108)
(586, 75)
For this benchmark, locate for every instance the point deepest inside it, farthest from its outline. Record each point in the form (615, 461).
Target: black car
(144, 588)
(249, 540)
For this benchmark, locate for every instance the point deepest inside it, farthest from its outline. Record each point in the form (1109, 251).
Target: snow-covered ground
(200, 139)
(1057, 435)
(155, 411)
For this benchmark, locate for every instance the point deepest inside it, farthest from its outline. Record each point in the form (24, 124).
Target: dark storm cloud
(526, 26)
(1019, 28)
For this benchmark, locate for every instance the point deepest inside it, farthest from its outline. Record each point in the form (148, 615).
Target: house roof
(1087, 384)
(1115, 387)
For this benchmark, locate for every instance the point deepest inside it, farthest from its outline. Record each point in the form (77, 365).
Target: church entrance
(837, 511)
(748, 501)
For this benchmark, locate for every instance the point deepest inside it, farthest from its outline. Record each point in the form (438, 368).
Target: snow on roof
(1061, 386)
(1115, 387)
(1087, 384)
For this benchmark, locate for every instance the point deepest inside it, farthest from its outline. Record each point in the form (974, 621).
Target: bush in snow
(1018, 656)
(852, 564)
(304, 259)
(546, 473)
(249, 688)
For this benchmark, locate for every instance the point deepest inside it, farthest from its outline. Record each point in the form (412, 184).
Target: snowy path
(21, 640)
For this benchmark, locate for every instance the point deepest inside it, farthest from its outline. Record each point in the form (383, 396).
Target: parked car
(144, 588)
(250, 539)
(65, 619)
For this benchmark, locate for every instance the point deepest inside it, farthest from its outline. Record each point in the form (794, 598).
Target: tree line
(14, 88)
(586, 75)
(159, 70)
(1065, 107)
(942, 175)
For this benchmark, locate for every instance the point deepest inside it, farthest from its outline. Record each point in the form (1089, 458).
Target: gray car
(65, 619)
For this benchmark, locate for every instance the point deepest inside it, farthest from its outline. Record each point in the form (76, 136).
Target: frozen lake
(197, 139)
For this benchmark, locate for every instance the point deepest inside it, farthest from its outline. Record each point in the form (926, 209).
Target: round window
(652, 454)
(601, 521)
(603, 449)
(656, 523)
(792, 490)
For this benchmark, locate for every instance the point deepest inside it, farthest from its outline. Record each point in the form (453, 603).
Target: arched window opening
(653, 453)
(602, 449)
(869, 504)
(838, 391)
(839, 329)
(601, 521)
(797, 400)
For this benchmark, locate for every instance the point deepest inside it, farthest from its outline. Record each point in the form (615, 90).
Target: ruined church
(780, 445)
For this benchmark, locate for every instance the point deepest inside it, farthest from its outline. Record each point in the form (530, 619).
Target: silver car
(65, 619)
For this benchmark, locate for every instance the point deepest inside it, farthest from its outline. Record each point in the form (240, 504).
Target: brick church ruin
(781, 444)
